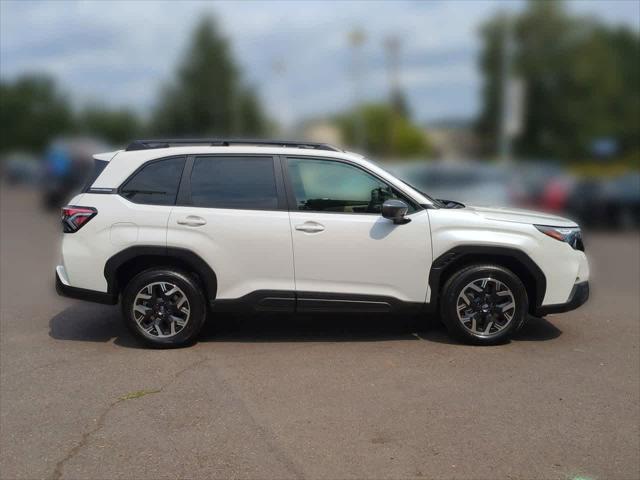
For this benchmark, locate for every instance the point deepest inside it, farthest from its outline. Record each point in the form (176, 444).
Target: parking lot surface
(312, 397)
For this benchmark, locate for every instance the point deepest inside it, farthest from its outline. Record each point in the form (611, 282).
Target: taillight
(74, 218)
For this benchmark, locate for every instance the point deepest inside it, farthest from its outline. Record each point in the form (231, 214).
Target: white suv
(175, 229)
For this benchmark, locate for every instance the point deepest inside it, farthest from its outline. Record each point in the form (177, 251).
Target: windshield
(435, 201)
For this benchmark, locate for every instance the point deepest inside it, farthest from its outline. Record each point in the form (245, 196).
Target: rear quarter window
(156, 183)
(98, 167)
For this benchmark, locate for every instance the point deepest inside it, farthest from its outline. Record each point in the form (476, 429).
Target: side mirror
(395, 210)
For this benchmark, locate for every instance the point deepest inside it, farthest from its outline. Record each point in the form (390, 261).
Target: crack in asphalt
(267, 436)
(84, 440)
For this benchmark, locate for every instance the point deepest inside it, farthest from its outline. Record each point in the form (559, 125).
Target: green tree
(115, 126)
(207, 96)
(252, 119)
(580, 78)
(32, 112)
(386, 131)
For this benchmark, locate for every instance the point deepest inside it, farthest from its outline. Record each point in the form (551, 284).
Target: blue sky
(121, 53)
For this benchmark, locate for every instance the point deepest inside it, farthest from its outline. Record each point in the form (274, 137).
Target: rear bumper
(579, 295)
(64, 289)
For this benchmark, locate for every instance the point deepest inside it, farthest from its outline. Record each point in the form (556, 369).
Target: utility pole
(356, 41)
(279, 70)
(504, 136)
(392, 48)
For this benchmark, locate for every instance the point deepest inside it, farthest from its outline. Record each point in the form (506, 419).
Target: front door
(343, 247)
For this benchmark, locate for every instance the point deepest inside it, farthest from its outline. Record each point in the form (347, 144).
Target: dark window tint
(234, 182)
(156, 184)
(98, 167)
(326, 186)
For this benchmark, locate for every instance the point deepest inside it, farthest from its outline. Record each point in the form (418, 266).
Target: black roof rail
(166, 143)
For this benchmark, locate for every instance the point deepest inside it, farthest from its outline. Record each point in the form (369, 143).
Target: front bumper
(579, 295)
(64, 289)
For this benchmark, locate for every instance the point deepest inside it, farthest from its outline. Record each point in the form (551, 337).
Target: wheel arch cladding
(515, 260)
(120, 268)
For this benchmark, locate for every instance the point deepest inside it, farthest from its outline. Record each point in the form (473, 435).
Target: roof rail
(166, 143)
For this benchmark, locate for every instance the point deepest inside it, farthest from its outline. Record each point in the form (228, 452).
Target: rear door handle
(310, 227)
(192, 221)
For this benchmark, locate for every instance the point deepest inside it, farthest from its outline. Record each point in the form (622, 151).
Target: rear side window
(244, 183)
(98, 167)
(156, 183)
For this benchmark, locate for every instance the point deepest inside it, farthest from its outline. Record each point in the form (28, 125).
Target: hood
(521, 216)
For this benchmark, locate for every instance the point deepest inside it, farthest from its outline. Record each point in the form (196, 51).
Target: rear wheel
(164, 308)
(484, 304)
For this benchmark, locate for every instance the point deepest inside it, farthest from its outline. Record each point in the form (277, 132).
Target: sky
(296, 54)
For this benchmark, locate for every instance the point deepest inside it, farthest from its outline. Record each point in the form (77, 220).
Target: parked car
(473, 182)
(609, 203)
(67, 165)
(171, 229)
(622, 200)
(20, 168)
(542, 185)
(586, 202)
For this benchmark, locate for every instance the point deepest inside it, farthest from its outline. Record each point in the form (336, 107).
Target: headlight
(570, 235)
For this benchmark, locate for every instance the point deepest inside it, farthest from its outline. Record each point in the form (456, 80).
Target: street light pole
(392, 47)
(356, 40)
(504, 136)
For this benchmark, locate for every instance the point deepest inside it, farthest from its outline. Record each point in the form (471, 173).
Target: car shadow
(309, 328)
(88, 322)
(535, 329)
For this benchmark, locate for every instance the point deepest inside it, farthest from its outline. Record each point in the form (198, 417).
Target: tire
(486, 317)
(164, 307)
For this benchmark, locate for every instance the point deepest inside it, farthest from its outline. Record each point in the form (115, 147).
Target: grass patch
(138, 394)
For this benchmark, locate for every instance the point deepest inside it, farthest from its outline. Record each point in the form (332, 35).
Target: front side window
(329, 186)
(156, 183)
(234, 182)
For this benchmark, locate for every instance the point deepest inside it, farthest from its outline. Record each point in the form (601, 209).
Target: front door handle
(192, 221)
(310, 227)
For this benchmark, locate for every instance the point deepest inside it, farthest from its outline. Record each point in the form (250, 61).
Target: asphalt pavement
(271, 397)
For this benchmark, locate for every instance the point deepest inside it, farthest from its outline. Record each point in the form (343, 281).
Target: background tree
(252, 119)
(386, 132)
(117, 127)
(207, 96)
(581, 82)
(32, 111)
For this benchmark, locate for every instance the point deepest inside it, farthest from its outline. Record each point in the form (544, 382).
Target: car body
(302, 227)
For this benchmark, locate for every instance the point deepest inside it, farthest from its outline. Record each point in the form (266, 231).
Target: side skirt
(311, 302)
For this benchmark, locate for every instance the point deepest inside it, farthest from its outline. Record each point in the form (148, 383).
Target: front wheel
(484, 304)
(165, 308)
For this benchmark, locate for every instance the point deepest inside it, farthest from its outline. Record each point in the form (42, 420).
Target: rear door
(232, 212)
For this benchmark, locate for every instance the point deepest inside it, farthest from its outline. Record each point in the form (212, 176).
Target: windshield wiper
(451, 203)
